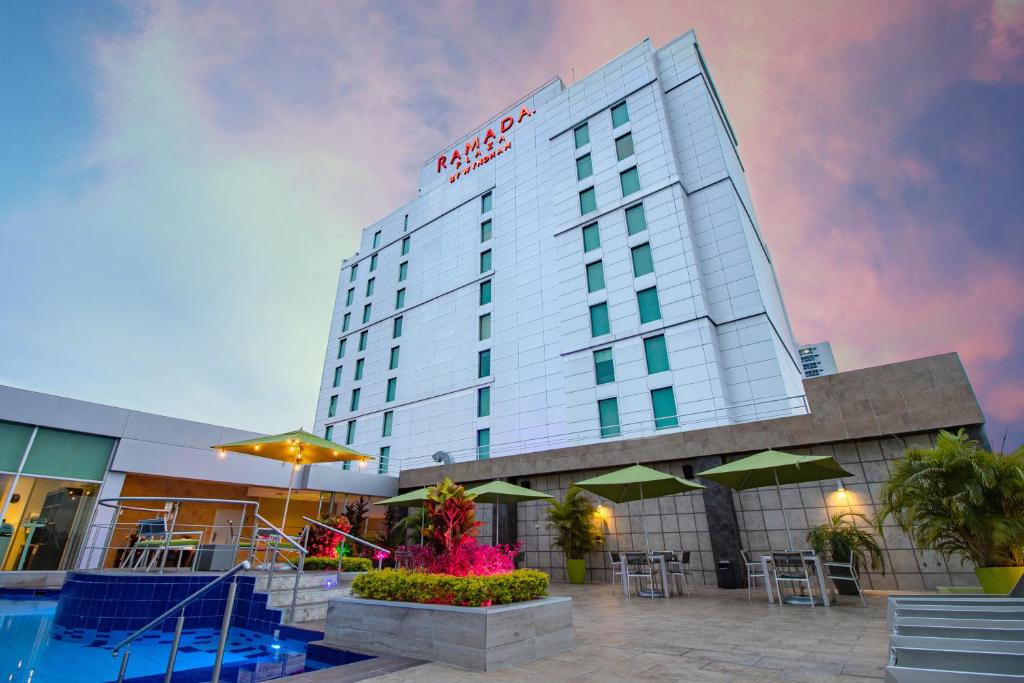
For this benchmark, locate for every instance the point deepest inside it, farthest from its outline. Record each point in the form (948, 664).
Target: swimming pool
(32, 652)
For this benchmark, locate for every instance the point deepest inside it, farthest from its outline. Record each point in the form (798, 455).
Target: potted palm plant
(960, 499)
(840, 536)
(572, 522)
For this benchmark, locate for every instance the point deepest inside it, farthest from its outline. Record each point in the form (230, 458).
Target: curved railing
(275, 546)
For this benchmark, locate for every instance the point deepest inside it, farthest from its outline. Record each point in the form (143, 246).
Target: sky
(180, 180)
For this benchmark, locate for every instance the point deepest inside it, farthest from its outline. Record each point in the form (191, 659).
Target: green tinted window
(350, 295)
(595, 276)
(359, 369)
(346, 320)
(392, 389)
(363, 336)
(67, 455)
(366, 313)
(341, 348)
(483, 365)
(373, 263)
(393, 361)
(337, 376)
(582, 135)
(403, 271)
(399, 298)
(406, 240)
(599, 320)
(663, 401)
(636, 220)
(624, 146)
(591, 237)
(352, 274)
(643, 263)
(656, 354)
(483, 402)
(353, 404)
(485, 326)
(620, 114)
(485, 203)
(485, 293)
(350, 433)
(630, 181)
(376, 239)
(396, 328)
(485, 230)
(584, 167)
(604, 368)
(647, 301)
(329, 432)
(485, 261)
(369, 286)
(332, 407)
(608, 414)
(389, 423)
(483, 444)
(382, 462)
(588, 201)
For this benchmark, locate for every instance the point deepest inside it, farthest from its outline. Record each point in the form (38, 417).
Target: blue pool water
(32, 651)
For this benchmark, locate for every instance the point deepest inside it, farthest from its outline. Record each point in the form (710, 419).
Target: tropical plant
(450, 517)
(473, 591)
(356, 513)
(467, 559)
(840, 535)
(323, 542)
(396, 528)
(571, 520)
(348, 564)
(960, 499)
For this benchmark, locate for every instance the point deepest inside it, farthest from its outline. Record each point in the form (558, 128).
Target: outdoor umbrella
(411, 499)
(637, 483)
(775, 467)
(297, 448)
(498, 492)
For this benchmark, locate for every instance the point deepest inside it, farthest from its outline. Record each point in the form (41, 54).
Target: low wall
(474, 638)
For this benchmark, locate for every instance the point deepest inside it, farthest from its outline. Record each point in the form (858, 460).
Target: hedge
(348, 564)
(402, 585)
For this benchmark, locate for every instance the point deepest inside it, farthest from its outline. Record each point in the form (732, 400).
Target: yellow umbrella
(298, 448)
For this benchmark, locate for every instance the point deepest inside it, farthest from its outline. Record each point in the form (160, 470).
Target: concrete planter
(474, 638)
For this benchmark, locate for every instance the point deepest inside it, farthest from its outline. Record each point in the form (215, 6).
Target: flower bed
(400, 585)
(348, 564)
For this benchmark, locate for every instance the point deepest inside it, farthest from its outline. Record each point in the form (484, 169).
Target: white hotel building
(587, 265)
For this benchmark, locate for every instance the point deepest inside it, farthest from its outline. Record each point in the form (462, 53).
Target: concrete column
(721, 513)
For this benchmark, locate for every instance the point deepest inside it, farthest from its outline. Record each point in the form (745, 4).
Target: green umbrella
(411, 499)
(498, 491)
(775, 467)
(637, 483)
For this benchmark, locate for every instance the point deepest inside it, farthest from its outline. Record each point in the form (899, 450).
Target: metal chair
(678, 569)
(615, 565)
(849, 573)
(755, 571)
(791, 568)
(637, 566)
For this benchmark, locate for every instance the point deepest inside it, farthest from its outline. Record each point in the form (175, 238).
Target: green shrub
(402, 585)
(348, 564)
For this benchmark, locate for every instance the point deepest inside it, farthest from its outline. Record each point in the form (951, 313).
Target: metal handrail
(180, 607)
(356, 539)
(277, 551)
(112, 502)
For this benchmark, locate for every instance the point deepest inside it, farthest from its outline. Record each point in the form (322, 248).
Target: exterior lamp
(840, 487)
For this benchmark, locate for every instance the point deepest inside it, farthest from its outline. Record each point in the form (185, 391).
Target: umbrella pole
(288, 498)
(497, 521)
(789, 534)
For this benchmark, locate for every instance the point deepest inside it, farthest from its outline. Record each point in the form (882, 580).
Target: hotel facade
(585, 266)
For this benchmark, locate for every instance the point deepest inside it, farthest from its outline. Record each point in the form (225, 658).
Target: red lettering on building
(473, 155)
(506, 124)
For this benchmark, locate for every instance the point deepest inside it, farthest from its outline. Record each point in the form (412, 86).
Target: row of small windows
(483, 394)
(629, 179)
(663, 406)
(655, 353)
(620, 115)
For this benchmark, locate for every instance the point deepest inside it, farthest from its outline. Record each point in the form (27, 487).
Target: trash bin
(727, 577)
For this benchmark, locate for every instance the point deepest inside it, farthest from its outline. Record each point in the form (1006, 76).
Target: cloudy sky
(179, 181)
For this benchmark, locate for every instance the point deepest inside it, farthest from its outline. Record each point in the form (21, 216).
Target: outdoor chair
(792, 568)
(755, 571)
(678, 569)
(615, 566)
(637, 568)
(847, 572)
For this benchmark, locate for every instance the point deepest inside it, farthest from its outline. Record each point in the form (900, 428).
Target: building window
(656, 354)
(376, 240)
(483, 444)
(337, 376)
(350, 432)
(483, 363)
(584, 167)
(604, 367)
(483, 402)
(400, 298)
(329, 432)
(485, 203)
(624, 146)
(663, 402)
(620, 114)
(382, 462)
(588, 201)
(392, 389)
(350, 296)
(346, 320)
(485, 261)
(608, 416)
(591, 237)
(373, 263)
(332, 407)
(485, 230)
(647, 301)
(396, 328)
(582, 135)
(354, 403)
(595, 276)
(599, 320)
(369, 286)
(352, 273)
(405, 223)
(366, 313)
(485, 292)
(485, 326)
(341, 348)
(636, 220)
(393, 360)
(643, 263)
(362, 339)
(359, 369)
(630, 181)
(403, 271)
(406, 240)
(389, 423)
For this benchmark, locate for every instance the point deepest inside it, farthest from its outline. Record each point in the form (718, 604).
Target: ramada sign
(478, 152)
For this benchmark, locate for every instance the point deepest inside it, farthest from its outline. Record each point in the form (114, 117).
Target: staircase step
(305, 597)
(285, 580)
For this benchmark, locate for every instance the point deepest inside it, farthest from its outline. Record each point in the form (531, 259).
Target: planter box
(474, 638)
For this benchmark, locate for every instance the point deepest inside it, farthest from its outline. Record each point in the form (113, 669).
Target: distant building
(817, 360)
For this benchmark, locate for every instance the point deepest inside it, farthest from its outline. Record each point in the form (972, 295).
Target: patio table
(663, 592)
(766, 565)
